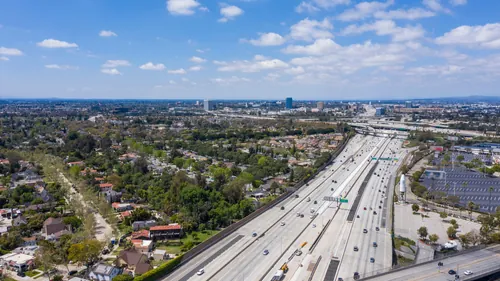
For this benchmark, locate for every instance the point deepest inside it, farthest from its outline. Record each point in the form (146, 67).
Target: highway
(480, 262)
(240, 256)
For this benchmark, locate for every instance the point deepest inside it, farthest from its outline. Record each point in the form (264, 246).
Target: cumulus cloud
(53, 43)
(410, 14)
(152, 66)
(10, 51)
(179, 71)
(229, 12)
(435, 5)
(115, 63)
(306, 7)
(308, 30)
(196, 59)
(195, 68)
(387, 27)
(295, 70)
(251, 66)
(111, 71)
(61, 67)
(458, 2)
(107, 33)
(182, 7)
(315, 5)
(267, 39)
(364, 10)
(230, 80)
(479, 36)
(319, 47)
(4, 58)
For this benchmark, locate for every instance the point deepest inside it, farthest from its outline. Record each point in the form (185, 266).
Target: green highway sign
(343, 200)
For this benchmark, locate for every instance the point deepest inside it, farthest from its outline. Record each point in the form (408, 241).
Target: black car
(365, 230)
(377, 228)
(356, 275)
(374, 212)
(452, 272)
(356, 248)
(21, 274)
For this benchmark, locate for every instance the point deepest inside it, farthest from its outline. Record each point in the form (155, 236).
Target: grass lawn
(7, 278)
(118, 250)
(403, 241)
(404, 261)
(174, 246)
(32, 273)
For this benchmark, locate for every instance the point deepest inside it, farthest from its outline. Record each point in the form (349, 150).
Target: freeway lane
(479, 262)
(268, 220)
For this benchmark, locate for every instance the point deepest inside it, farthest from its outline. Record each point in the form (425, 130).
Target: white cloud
(200, 51)
(458, 2)
(272, 76)
(4, 58)
(229, 13)
(252, 66)
(172, 82)
(327, 4)
(182, 7)
(364, 10)
(435, 5)
(260, 57)
(195, 68)
(204, 9)
(196, 59)
(306, 7)
(295, 70)
(111, 71)
(308, 30)
(230, 80)
(410, 14)
(387, 27)
(115, 63)
(107, 33)
(434, 70)
(184, 79)
(53, 43)
(267, 39)
(479, 36)
(10, 52)
(318, 48)
(62, 67)
(152, 66)
(177, 71)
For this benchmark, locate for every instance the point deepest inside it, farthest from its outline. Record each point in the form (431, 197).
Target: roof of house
(105, 185)
(142, 268)
(131, 257)
(103, 269)
(159, 252)
(52, 221)
(166, 227)
(140, 233)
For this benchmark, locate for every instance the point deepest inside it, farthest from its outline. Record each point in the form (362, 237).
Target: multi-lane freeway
(258, 249)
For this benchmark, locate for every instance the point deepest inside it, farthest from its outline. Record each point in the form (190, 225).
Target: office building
(380, 111)
(209, 105)
(288, 103)
(408, 104)
(320, 105)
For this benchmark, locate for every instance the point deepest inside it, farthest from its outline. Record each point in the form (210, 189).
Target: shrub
(160, 271)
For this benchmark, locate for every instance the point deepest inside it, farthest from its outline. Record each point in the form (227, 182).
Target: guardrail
(200, 248)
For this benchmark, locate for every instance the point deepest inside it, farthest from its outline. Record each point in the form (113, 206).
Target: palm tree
(471, 206)
(491, 189)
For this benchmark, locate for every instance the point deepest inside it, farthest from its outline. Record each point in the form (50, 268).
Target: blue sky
(262, 49)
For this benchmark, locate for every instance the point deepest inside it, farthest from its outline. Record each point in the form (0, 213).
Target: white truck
(278, 276)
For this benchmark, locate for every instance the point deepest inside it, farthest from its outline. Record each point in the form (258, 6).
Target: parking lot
(468, 186)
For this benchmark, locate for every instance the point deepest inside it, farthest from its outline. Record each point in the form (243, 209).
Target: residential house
(104, 272)
(121, 207)
(29, 241)
(17, 262)
(19, 220)
(141, 234)
(142, 246)
(113, 196)
(124, 215)
(100, 180)
(133, 261)
(160, 255)
(4, 229)
(78, 279)
(170, 231)
(136, 225)
(53, 228)
(105, 187)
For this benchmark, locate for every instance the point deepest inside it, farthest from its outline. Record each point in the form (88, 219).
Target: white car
(314, 225)
(200, 272)
(468, 272)
(282, 223)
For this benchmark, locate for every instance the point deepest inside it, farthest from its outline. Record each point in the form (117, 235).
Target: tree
(123, 277)
(451, 232)
(86, 252)
(471, 207)
(415, 208)
(433, 238)
(274, 186)
(74, 221)
(460, 158)
(443, 215)
(422, 232)
(453, 221)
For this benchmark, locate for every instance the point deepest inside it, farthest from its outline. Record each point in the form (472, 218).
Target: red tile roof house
(105, 187)
(125, 214)
(141, 234)
(161, 232)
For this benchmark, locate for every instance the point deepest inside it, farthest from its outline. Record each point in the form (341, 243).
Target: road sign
(344, 200)
(331, 198)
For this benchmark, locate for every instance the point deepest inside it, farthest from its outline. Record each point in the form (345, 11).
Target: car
(377, 228)
(298, 214)
(380, 207)
(381, 201)
(356, 276)
(314, 225)
(375, 244)
(452, 272)
(468, 272)
(365, 230)
(298, 252)
(374, 212)
(301, 215)
(282, 223)
(312, 217)
(379, 190)
(21, 274)
(357, 216)
(308, 199)
(356, 248)
(296, 196)
(372, 260)
(254, 234)
(200, 272)
(364, 208)
(348, 170)
(266, 252)
(315, 202)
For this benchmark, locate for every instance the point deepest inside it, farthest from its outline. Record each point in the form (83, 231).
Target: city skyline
(190, 49)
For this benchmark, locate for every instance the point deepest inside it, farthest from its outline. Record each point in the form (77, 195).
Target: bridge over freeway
(482, 263)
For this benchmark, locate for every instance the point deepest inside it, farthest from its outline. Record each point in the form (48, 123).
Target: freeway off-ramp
(243, 258)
